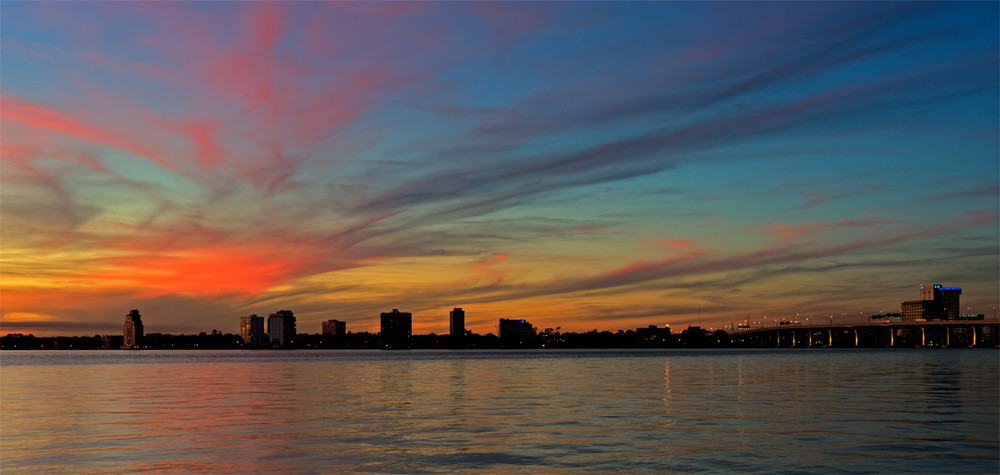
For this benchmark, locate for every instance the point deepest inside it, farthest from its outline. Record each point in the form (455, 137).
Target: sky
(579, 165)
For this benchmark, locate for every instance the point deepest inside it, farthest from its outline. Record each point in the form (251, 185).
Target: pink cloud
(202, 136)
(787, 232)
(672, 244)
(487, 267)
(40, 118)
(254, 97)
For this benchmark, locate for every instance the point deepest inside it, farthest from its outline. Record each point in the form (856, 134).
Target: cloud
(987, 190)
(488, 267)
(781, 254)
(224, 152)
(786, 232)
(817, 198)
(653, 150)
(38, 118)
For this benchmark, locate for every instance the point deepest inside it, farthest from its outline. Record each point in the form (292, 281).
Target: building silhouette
(396, 328)
(334, 328)
(133, 331)
(457, 323)
(516, 333)
(937, 302)
(653, 335)
(946, 298)
(252, 330)
(281, 328)
(111, 342)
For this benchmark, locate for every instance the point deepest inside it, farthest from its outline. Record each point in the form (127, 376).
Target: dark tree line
(693, 337)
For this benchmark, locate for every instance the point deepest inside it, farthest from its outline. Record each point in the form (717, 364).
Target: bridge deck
(876, 334)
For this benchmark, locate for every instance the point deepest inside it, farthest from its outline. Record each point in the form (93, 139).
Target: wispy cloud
(234, 154)
(987, 190)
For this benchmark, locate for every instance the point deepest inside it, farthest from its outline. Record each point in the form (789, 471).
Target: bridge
(875, 334)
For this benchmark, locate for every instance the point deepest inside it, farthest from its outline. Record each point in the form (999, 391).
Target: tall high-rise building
(133, 330)
(951, 308)
(395, 330)
(252, 330)
(281, 328)
(457, 322)
(335, 328)
(939, 302)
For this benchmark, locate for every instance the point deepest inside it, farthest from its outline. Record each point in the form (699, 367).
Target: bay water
(532, 411)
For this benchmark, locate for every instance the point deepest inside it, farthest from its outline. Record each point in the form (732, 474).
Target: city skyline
(592, 165)
(937, 303)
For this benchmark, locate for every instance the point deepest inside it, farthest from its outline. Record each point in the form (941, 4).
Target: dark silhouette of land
(934, 320)
(693, 337)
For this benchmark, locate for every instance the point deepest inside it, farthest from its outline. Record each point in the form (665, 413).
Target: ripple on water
(496, 412)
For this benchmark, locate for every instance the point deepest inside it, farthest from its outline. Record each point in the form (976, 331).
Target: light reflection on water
(442, 411)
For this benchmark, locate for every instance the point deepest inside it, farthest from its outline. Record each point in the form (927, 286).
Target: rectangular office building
(516, 333)
(281, 328)
(335, 328)
(132, 331)
(252, 330)
(395, 330)
(457, 320)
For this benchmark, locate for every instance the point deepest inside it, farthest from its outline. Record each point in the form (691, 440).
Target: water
(820, 411)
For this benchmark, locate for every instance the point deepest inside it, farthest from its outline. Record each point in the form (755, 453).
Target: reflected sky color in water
(276, 412)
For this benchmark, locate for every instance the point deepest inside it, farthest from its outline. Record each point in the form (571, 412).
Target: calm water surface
(820, 411)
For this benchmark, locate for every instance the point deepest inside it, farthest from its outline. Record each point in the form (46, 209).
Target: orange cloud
(199, 271)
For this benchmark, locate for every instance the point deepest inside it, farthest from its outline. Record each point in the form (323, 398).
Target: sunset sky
(580, 165)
